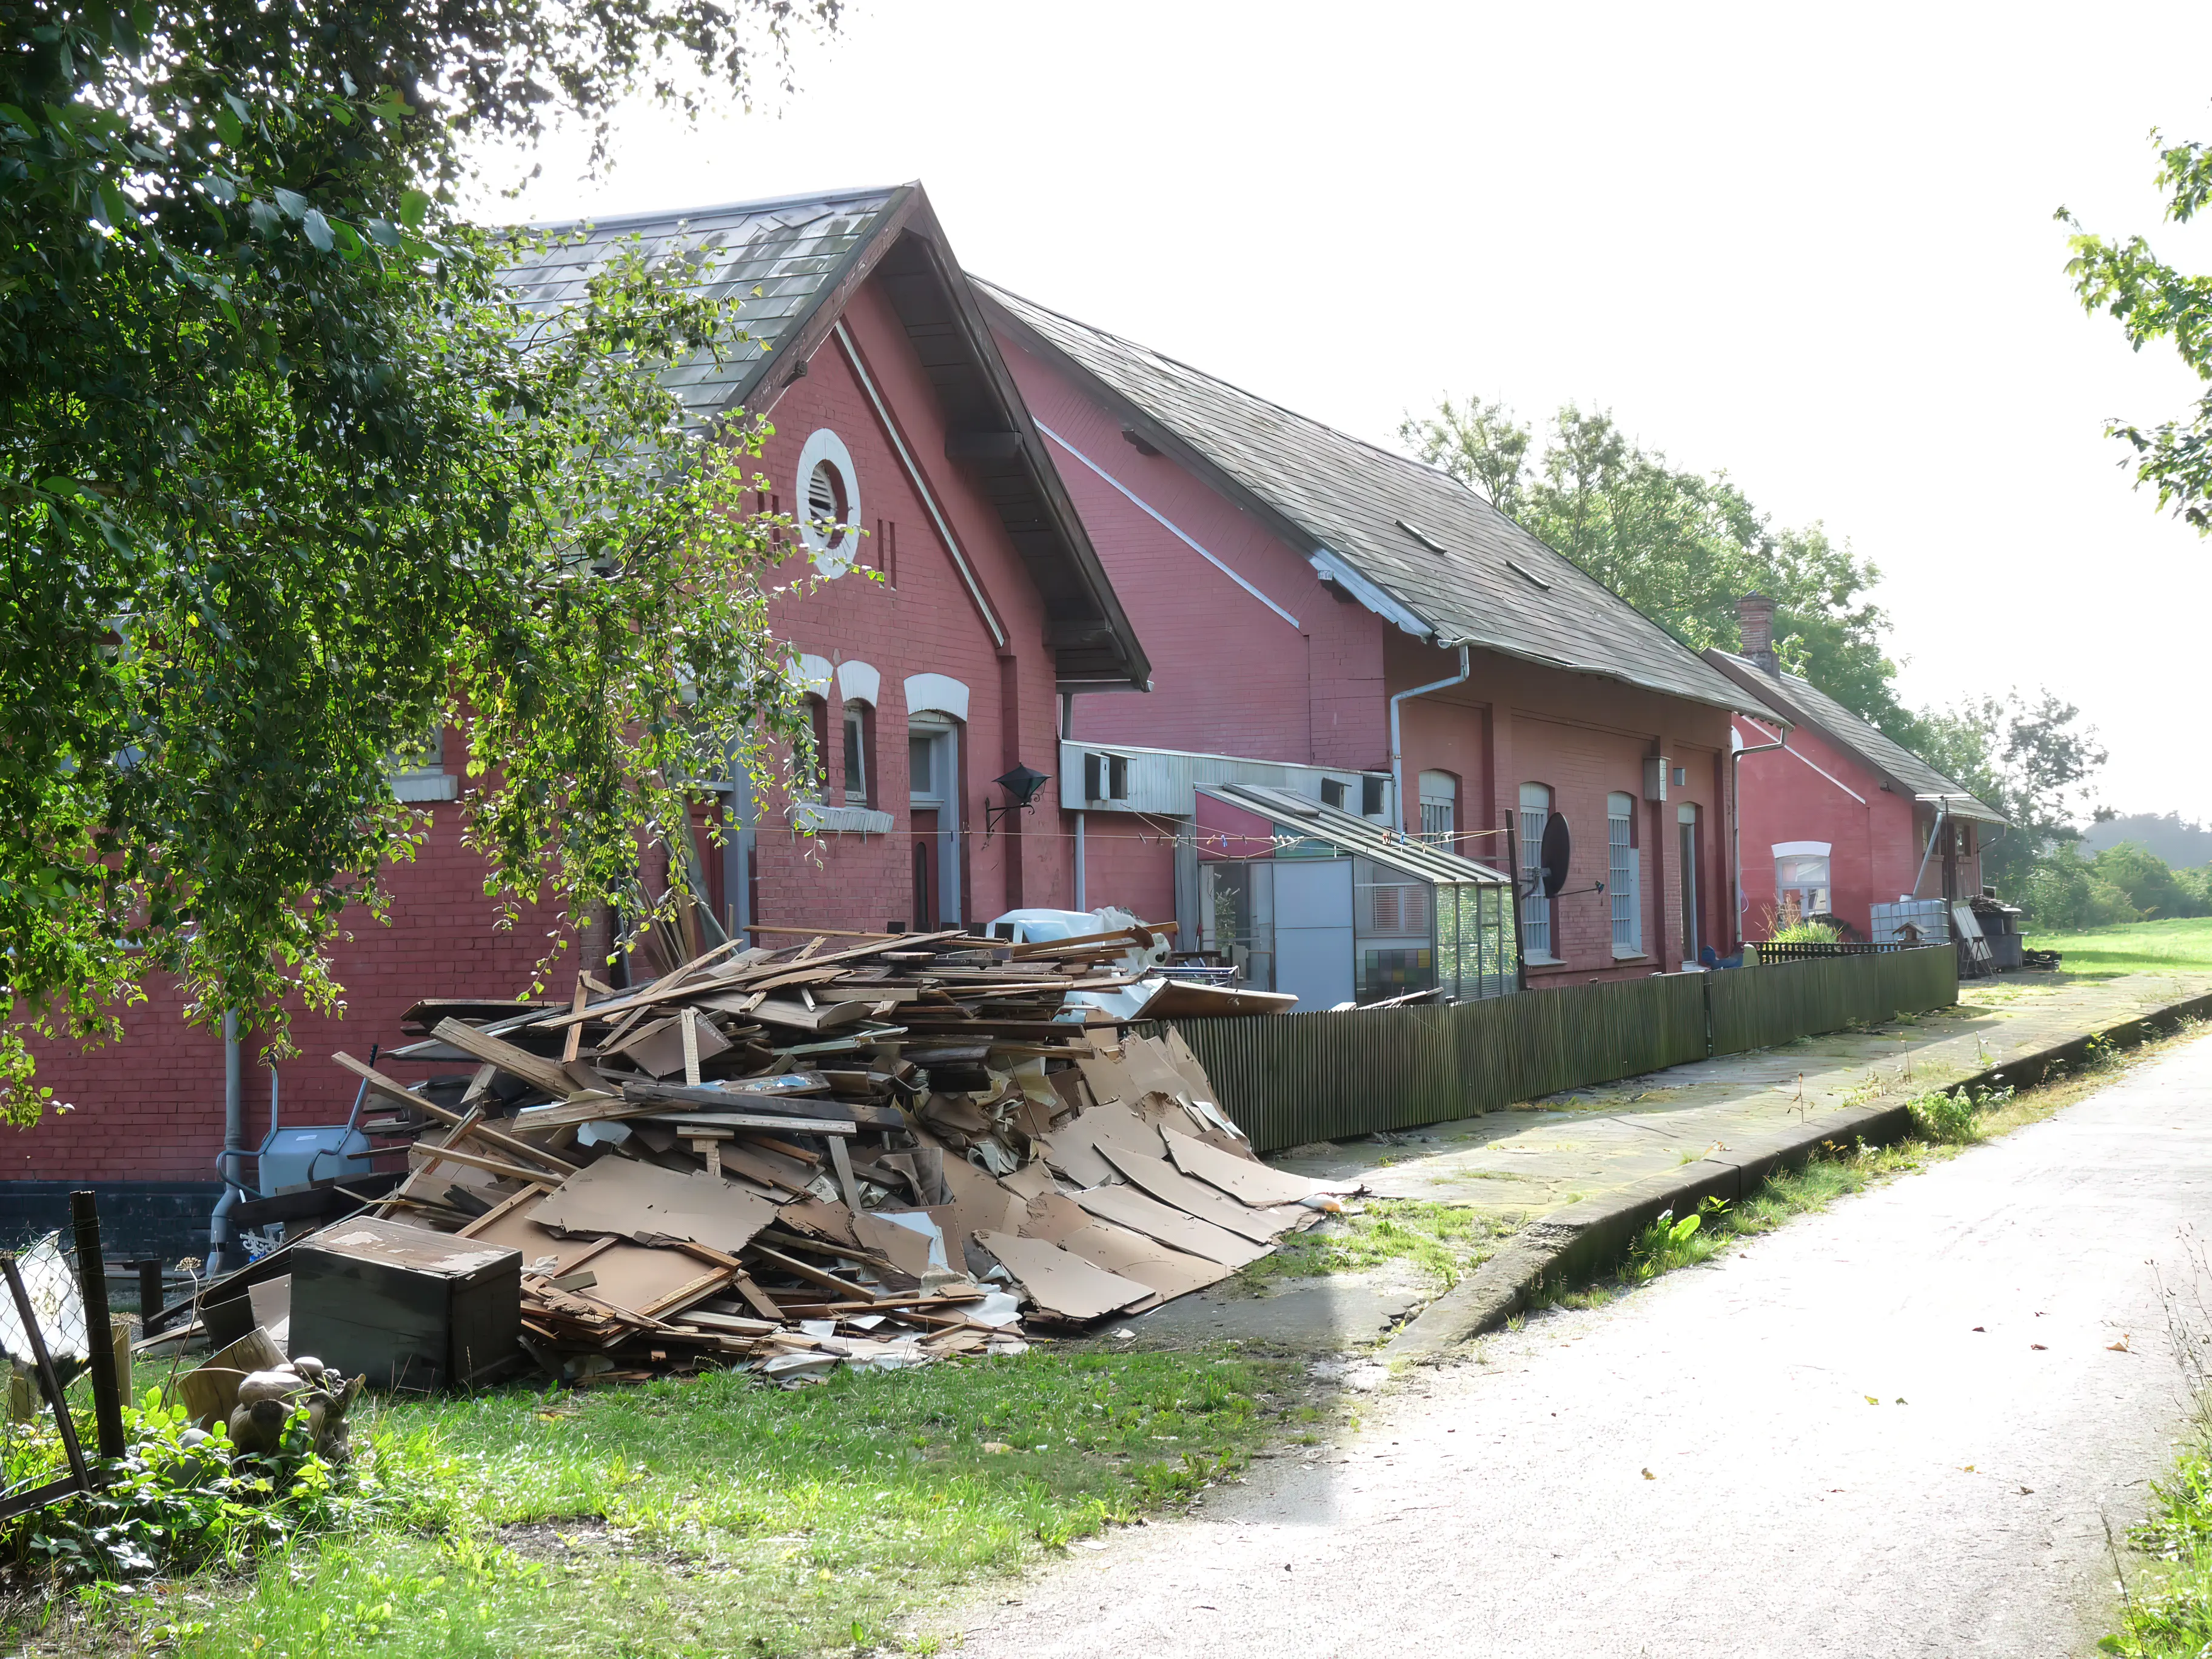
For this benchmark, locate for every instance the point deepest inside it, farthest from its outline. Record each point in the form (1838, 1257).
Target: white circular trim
(826, 445)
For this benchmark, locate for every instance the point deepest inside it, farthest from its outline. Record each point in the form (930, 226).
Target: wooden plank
(681, 1120)
(797, 1016)
(812, 1275)
(542, 1074)
(435, 1155)
(662, 1096)
(384, 1085)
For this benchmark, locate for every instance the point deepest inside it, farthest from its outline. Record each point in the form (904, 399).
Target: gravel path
(1503, 1508)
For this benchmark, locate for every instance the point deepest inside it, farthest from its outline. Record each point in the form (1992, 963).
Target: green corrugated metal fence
(1296, 1077)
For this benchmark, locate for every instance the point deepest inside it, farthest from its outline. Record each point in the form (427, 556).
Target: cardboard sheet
(1172, 1186)
(1253, 1184)
(979, 1204)
(1030, 1180)
(640, 1279)
(1052, 1218)
(644, 1201)
(1059, 1283)
(1074, 1144)
(1146, 1260)
(917, 1242)
(1127, 1207)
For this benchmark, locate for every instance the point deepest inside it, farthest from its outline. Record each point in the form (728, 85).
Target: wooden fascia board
(1036, 464)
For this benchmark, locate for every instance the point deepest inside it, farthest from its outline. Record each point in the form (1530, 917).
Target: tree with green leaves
(1680, 547)
(288, 479)
(2152, 301)
(2034, 761)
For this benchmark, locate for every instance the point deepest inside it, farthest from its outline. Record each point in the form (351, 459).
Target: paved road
(1502, 1508)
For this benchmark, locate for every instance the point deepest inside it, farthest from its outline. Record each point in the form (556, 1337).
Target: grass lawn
(718, 1515)
(2183, 944)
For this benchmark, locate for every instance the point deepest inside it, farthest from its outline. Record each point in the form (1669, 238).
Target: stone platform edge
(1574, 1244)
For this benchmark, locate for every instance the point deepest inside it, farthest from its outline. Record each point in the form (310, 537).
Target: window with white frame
(1800, 882)
(1535, 907)
(859, 773)
(1439, 807)
(1624, 875)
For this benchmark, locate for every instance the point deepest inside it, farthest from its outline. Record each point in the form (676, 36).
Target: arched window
(1624, 875)
(1439, 807)
(1535, 907)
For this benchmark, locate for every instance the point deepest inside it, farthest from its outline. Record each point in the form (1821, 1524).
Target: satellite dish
(1558, 846)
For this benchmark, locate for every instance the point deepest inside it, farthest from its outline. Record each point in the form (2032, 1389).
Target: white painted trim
(1801, 849)
(839, 820)
(939, 691)
(920, 484)
(1332, 567)
(1831, 776)
(859, 681)
(809, 674)
(826, 445)
(424, 786)
(1166, 523)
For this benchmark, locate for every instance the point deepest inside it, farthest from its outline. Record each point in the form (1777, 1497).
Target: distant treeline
(2119, 884)
(2182, 844)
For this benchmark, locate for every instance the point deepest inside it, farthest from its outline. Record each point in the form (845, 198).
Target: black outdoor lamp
(1023, 785)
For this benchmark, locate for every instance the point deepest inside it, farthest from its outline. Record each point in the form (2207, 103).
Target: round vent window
(829, 495)
(825, 502)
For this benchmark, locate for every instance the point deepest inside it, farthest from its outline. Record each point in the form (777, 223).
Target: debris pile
(871, 1154)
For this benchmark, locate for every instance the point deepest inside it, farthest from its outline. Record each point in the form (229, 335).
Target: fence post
(1706, 998)
(100, 1331)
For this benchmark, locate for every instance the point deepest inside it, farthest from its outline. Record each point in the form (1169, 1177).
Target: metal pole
(48, 1382)
(107, 1388)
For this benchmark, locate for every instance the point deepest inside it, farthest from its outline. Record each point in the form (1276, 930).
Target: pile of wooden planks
(870, 1153)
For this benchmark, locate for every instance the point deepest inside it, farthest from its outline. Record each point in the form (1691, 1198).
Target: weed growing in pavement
(1955, 1119)
(1444, 1241)
(1673, 1242)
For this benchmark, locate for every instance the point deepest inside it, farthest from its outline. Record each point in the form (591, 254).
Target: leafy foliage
(1680, 547)
(2034, 762)
(2153, 301)
(288, 480)
(175, 1501)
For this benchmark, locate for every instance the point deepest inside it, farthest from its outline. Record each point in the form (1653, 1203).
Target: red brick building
(961, 602)
(1835, 812)
(1380, 638)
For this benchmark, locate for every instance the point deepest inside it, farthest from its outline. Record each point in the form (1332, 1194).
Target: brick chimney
(1755, 613)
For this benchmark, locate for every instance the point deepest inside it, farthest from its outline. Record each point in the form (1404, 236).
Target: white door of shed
(1313, 931)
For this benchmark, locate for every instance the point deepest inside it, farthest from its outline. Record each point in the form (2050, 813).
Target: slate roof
(793, 263)
(792, 249)
(1802, 703)
(1409, 541)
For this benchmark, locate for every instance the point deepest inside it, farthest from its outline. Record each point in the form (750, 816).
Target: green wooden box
(407, 1308)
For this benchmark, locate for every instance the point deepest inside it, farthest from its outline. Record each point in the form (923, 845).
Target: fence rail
(1810, 950)
(1294, 1078)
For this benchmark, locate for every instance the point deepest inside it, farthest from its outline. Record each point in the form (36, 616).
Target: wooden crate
(405, 1307)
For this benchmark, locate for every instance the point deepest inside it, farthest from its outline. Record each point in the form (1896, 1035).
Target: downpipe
(222, 1238)
(1397, 751)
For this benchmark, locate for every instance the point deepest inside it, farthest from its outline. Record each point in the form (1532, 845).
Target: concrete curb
(1579, 1241)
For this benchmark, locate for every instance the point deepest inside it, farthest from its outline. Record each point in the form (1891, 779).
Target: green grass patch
(717, 1516)
(2181, 944)
(1443, 1241)
(2166, 1614)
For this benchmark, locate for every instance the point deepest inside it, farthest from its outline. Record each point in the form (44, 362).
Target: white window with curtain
(1439, 808)
(1535, 907)
(1624, 875)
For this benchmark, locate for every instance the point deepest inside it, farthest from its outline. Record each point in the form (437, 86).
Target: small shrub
(1806, 933)
(1955, 1118)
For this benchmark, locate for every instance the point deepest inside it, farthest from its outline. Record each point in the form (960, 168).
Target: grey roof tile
(1348, 496)
(1802, 703)
(787, 249)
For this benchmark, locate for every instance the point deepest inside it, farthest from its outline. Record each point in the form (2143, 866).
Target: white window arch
(939, 691)
(828, 503)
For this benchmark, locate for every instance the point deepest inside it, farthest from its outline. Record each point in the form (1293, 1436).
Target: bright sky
(1813, 247)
